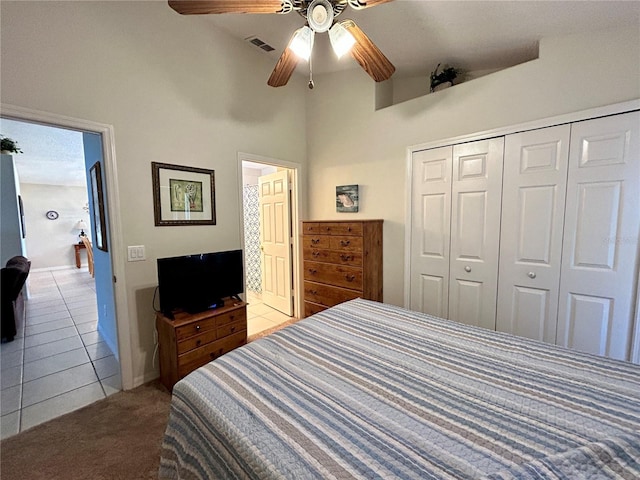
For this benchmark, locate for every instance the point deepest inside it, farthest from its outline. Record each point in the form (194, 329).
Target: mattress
(366, 390)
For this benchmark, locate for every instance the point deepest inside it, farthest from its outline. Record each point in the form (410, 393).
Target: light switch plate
(136, 253)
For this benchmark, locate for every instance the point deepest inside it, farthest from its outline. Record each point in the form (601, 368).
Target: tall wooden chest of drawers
(191, 340)
(342, 261)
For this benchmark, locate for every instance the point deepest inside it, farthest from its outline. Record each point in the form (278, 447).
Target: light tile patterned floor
(58, 361)
(260, 316)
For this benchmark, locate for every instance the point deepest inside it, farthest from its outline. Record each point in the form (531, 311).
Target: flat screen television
(196, 283)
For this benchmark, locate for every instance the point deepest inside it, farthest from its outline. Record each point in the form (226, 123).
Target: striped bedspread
(371, 391)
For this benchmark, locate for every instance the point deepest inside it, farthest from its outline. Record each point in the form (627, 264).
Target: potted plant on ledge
(9, 146)
(447, 75)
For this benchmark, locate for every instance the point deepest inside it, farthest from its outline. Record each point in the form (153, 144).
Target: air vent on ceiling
(260, 44)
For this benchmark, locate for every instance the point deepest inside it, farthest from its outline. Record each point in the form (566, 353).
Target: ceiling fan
(345, 36)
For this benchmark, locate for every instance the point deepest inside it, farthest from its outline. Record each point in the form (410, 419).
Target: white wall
(49, 242)
(350, 143)
(250, 175)
(11, 241)
(177, 91)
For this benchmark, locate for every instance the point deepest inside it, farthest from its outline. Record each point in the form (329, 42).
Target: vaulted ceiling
(417, 35)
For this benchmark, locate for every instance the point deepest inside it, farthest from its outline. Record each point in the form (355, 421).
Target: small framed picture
(347, 198)
(183, 195)
(97, 197)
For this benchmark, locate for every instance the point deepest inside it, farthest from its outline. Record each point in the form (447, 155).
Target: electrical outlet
(136, 253)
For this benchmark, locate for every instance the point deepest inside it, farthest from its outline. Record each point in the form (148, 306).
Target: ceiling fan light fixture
(341, 39)
(320, 15)
(302, 42)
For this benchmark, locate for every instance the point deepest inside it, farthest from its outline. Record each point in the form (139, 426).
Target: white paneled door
(430, 232)
(475, 232)
(600, 251)
(455, 231)
(533, 199)
(275, 241)
(535, 233)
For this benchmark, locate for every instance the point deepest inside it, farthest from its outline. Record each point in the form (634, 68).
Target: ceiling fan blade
(199, 7)
(370, 58)
(360, 4)
(283, 69)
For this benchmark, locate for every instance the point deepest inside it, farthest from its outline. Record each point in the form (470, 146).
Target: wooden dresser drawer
(311, 308)
(187, 341)
(339, 275)
(195, 328)
(332, 228)
(342, 260)
(316, 241)
(201, 356)
(344, 243)
(196, 341)
(351, 228)
(328, 295)
(231, 317)
(333, 256)
(229, 328)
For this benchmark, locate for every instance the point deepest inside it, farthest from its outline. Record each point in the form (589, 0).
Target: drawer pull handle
(231, 317)
(315, 241)
(315, 253)
(346, 258)
(233, 329)
(313, 271)
(313, 292)
(350, 278)
(345, 243)
(328, 229)
(197, 328)
(198, 342)
(310, 228)
(531, 275)
(349, 229)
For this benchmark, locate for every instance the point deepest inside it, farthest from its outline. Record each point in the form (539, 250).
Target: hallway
(58, 361)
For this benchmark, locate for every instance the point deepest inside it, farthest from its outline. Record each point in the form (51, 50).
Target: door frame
(587, 114)
(106, 133)
(296, 215)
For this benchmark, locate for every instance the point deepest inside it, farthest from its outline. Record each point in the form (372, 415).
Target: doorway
(271, 279)
(69, 330)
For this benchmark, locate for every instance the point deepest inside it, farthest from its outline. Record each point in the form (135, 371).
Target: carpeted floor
(117, 438)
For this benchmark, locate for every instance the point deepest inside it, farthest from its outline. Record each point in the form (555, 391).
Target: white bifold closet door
(431, 231)
(455, 231)
(476, 193)
(535, 179)
(600, 249)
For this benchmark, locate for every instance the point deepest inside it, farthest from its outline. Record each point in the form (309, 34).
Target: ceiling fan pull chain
(311, 84)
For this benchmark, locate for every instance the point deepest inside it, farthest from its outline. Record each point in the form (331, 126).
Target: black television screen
(198, 282)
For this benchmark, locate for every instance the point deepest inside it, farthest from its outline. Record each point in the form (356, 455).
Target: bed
(366, 390)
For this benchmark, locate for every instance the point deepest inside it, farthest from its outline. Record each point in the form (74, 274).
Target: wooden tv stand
(192, 340)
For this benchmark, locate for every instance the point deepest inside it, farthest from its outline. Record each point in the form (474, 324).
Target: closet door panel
(600, 250)
(430, 231)
(475, 231)
(535, 177)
